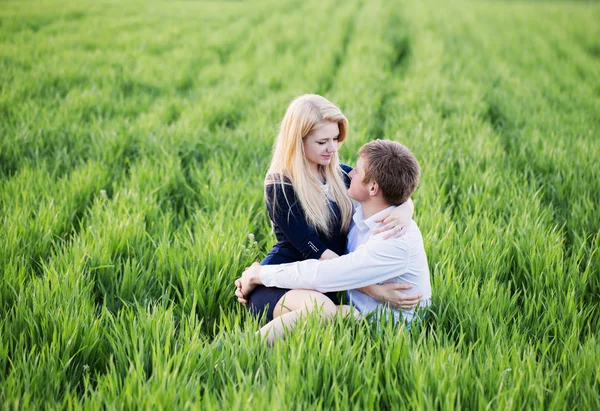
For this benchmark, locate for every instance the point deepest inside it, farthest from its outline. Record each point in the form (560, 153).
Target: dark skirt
(264, 299)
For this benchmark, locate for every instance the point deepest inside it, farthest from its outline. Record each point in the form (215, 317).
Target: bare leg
(293, 305)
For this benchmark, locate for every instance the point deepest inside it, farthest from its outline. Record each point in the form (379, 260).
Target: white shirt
(373, 260)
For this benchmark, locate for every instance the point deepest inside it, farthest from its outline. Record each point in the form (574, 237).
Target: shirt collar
(359, 218)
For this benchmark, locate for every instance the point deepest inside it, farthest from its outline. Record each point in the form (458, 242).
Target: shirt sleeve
(376, 261)
(288, 215)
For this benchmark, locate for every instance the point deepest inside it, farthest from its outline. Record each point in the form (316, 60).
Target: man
(386, 173)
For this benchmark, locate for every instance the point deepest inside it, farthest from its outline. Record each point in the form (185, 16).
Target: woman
(306, 196)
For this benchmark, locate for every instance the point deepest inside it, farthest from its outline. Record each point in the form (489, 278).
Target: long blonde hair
(290, 166)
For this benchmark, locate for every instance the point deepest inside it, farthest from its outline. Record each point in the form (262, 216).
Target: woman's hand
(247, 282)
(396, 223)
(238, 293)
(391, 294)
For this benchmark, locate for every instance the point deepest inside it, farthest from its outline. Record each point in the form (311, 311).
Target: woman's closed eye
(323, 142)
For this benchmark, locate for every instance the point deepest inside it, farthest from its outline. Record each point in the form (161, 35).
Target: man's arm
(392, 294)
(376, 261)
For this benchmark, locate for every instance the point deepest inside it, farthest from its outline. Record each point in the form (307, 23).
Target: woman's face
(321, 144)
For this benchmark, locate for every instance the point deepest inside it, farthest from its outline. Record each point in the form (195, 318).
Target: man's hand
(393, 296)
(247, 282)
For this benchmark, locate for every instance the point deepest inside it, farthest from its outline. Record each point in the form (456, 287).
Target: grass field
(134, 139)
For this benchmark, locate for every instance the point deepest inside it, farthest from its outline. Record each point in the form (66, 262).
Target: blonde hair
(290, 166)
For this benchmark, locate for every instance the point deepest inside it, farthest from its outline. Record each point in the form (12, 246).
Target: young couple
(326, 244)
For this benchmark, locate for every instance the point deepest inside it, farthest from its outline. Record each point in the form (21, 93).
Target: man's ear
(373, 188)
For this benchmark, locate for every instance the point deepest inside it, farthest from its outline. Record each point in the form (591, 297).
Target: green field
(134, 140)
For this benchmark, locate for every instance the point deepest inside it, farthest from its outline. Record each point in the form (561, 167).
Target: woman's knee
(318, 301)
(306, 300)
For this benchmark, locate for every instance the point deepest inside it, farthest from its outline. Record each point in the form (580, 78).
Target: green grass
(134, 138)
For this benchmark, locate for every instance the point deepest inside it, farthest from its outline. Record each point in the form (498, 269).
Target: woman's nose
(332, 147)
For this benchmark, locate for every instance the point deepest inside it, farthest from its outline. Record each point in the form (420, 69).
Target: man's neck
(372, 207)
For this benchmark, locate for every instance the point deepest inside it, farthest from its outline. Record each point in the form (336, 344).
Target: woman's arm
(346, 169)
(287, 214)
(397, 221)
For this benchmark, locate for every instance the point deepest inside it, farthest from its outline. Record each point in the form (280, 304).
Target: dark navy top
(297, 240)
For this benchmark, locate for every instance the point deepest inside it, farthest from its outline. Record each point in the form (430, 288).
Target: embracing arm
(388, 293)
(376, 261)
(396, 223)
(391, 294)
(373, 262)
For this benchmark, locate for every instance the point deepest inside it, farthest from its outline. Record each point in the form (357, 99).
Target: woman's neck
(317, 173)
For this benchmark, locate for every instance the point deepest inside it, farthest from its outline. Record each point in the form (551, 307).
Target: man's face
(358, 190)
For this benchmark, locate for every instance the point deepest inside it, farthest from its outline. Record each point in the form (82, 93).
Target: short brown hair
(393, 167)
